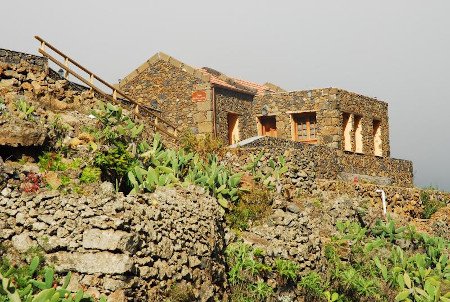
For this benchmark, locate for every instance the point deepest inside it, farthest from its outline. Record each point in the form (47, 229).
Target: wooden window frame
(294, 126)
(260, 125)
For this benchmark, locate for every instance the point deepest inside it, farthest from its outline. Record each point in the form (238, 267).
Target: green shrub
(312, 285)
(287, 269)
(253, 206)
(90, 175)
(36, 283)
(430, 206)
(51, 161)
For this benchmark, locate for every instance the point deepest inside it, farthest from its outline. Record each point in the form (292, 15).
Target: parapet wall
(333, 164)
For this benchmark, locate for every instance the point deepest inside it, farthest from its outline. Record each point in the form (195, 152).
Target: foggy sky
(397, 51)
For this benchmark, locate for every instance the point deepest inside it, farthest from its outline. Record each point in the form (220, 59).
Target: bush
(430, 206)
(90, 175)
(253, 206)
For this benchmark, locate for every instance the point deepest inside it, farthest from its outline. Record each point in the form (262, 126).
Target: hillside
(89, 192)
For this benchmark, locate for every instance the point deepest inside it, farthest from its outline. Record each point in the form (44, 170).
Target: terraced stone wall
(130, 248)
(331, 163)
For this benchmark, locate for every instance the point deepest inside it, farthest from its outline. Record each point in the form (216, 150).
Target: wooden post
(66, 63)
(114, 95)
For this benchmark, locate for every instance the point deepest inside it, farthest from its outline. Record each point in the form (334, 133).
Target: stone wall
(321, 101)
(15, 57)
(330, 163)
(228, 101)
(329, 105)
(129, 248)
(369, 109)
(400, 200)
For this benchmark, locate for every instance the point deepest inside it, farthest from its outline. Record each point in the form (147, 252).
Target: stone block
(91, 263)
(22, 242)
(109, 240)
(205, 127)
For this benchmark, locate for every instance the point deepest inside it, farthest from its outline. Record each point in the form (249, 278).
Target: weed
(252, 206)
(25, 109)
(312, 285)
(51, 161)
(90, 175)
(201, 145)
(430, 206)
(287, 269)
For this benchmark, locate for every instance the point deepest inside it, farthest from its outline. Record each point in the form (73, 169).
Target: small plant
(253, 205)
(25, 109)
(430, 206)
(261, 290)
(31, 183)
(2, 105)
(52, 161)
(201, 145)
(287, 269)
(312, 285)
(90, 175)
(30, 283)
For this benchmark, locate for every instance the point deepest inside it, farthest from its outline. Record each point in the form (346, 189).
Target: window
(304, 127)
(357, 124)
(268, 126)
(347, 129)
(377, 140)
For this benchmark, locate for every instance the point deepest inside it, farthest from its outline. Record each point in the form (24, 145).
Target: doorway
(268, 126)
(233, 128)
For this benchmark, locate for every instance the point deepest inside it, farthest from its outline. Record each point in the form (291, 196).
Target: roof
(219, 79)
(205, 74)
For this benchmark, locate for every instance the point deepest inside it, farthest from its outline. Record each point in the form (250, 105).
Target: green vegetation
(361, 265)
(253, 205)
(430, 206)
(34, 283)
(90, 175)
(25, 109)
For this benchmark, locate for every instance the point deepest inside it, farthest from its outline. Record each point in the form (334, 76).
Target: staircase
(152, 116)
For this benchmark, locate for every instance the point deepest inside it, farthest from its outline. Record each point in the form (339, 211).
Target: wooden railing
(153, 116)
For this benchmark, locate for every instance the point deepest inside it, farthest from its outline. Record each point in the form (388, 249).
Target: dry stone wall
(131, 248)
(400, 200)
(15, 57)
(330, 163)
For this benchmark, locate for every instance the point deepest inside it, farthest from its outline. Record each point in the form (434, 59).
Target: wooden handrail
(158, 119)
(154, 124)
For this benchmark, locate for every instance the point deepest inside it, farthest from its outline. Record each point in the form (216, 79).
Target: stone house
(333, 127)
(207, 101)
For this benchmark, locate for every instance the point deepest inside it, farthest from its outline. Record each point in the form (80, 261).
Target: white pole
(383, 198)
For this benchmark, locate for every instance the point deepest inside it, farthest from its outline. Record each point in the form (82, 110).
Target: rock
(6, 192)
(52, 179)
(107, 188)
(36, 87)
(117, 296)
(75, 142)
(58, 105)
(26, 86)
(91, 263)
(22, 242)
(109, 240)
(8, 82)
(293, 208)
